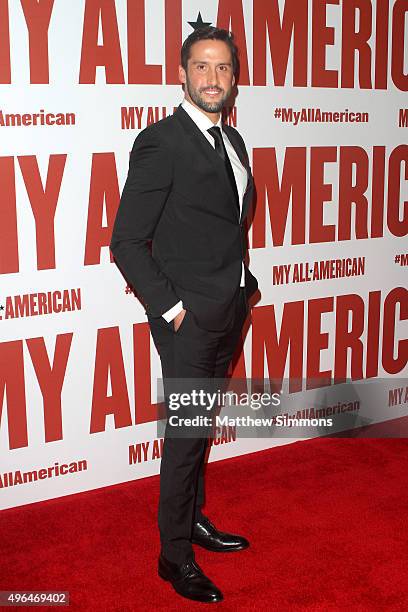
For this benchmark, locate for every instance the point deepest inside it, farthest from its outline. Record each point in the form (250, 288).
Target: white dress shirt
(204, 123)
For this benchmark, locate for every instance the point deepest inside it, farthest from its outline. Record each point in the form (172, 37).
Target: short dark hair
(210, 33)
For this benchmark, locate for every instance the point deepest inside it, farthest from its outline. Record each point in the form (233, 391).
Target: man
(187, 192)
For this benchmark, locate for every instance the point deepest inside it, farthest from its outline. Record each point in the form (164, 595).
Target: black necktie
(222, 152)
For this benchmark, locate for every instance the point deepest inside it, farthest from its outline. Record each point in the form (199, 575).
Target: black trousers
(190, 352)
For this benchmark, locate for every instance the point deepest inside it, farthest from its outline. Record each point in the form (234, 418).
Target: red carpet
(327, 520)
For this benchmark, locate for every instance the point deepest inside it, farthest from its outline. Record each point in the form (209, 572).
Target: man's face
(209, 76)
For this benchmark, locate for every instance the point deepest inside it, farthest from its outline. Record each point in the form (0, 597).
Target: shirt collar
(201, 120)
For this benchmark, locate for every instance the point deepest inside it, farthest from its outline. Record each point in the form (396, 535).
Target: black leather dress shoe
(189, 580)
(207, 536)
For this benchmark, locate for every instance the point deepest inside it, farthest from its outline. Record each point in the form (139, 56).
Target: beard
(207, 106)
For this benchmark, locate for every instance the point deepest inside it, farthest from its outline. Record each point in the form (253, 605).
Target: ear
(233, 81)
(182, 74)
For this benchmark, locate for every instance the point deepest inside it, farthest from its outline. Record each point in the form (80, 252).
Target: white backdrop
(70, 417)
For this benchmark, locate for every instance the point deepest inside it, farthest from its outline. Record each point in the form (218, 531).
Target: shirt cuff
(242, 284)
(173, 312)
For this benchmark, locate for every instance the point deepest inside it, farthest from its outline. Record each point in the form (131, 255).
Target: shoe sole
(231, 549)
(202, 600)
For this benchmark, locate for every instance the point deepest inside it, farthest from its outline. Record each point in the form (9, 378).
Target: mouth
(212, 92)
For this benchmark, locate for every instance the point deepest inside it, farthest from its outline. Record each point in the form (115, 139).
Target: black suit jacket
(177, 199)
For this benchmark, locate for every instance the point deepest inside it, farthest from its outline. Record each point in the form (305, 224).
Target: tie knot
(215, 132)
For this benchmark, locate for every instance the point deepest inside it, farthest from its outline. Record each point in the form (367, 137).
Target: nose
(212, 76)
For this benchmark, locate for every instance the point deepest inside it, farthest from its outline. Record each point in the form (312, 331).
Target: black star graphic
(1, 307)
(199, 23)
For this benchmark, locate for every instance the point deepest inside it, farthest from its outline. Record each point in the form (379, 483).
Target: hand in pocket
(178, 319)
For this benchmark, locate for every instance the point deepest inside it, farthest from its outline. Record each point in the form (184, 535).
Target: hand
(178, 319)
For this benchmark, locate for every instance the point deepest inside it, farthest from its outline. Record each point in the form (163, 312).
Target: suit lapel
(244, 161)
